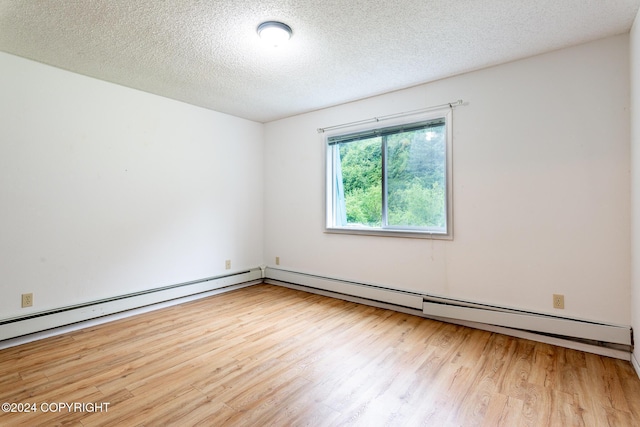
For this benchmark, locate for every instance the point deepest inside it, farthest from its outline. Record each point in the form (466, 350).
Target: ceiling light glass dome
(274, 33)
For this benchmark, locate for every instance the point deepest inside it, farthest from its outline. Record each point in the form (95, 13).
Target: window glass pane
(360, 163)
(416, 187)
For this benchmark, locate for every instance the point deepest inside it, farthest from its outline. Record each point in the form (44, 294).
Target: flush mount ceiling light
(274, 33)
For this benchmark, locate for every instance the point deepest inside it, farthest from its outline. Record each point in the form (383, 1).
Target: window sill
(390, 233)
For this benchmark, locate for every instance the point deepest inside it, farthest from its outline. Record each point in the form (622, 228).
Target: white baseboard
(45, 321)
(593, 337)
(636, 365)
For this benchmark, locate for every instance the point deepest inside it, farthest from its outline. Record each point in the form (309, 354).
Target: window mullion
(384, 181)
(339, 211)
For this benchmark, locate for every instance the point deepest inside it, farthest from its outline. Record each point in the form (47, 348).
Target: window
(393, 180)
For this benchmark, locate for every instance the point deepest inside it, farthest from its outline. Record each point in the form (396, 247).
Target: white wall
(635, 186)
(541, 189)
(106, 190)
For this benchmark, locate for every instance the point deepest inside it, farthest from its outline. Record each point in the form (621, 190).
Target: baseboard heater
(37, 322)
(456, 310)
(369, 292)
(528, 321)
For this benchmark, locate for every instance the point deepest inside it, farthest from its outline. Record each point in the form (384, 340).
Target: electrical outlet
(27, 300)
(558, 301)
(277, 260)
(227, 264)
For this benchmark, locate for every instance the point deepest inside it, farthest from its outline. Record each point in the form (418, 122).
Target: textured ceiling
(207, 53)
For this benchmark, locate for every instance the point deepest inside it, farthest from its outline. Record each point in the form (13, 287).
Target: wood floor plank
(503, 411)
(272, 356)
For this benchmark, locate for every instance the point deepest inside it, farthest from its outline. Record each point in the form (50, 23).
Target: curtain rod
(392, 116)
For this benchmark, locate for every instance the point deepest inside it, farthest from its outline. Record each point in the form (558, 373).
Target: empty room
(320, 213)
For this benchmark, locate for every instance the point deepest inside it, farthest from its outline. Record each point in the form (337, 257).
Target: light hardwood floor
(272, 356)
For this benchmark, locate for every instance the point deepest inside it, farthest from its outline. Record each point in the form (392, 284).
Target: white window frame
(330, 188)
